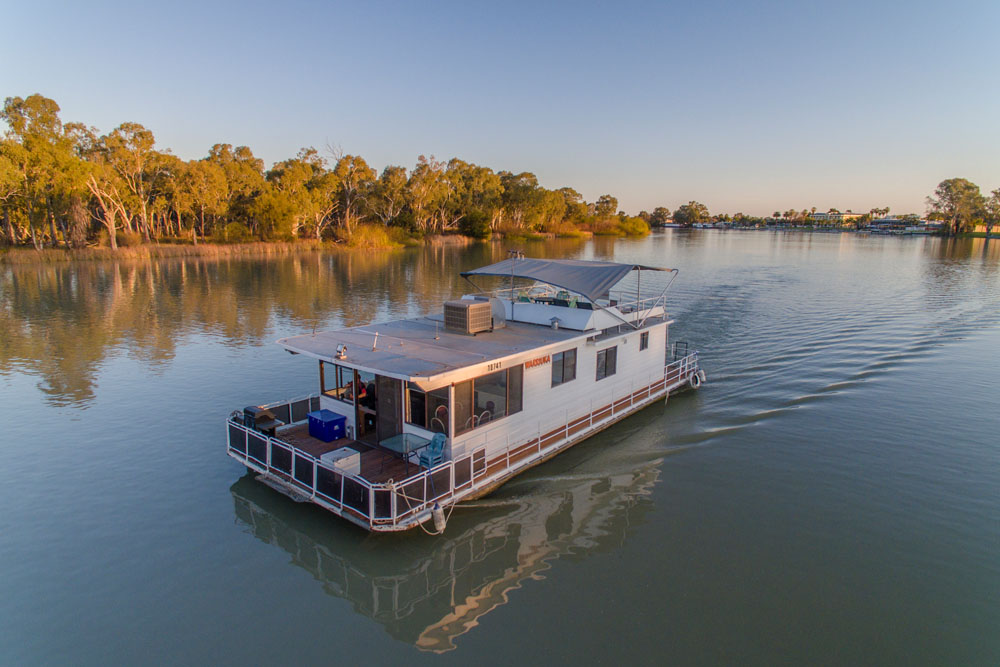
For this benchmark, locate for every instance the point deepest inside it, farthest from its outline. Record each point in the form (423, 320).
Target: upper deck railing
(624, 301)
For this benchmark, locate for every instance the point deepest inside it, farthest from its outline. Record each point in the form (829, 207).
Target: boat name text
(538, 362)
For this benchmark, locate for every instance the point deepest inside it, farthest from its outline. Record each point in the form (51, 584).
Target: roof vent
(468, 317)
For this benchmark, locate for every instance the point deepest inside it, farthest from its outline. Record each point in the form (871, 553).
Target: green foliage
(373, 237)
(606, 206)
(958, 202)
(475, 224)
(129, 239)
(691, 213)
(234, 232)
(401, 237)
(274, 212)
(605, 227)
(65, 183)
(633, 226)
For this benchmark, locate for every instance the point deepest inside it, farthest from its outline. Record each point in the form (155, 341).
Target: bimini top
(588, 278)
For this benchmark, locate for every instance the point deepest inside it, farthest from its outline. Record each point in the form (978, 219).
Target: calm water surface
(831, 495)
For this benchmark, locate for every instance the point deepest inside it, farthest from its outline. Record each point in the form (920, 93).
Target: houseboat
(416, 415)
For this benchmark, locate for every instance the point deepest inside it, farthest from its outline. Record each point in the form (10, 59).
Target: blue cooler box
(327, 425)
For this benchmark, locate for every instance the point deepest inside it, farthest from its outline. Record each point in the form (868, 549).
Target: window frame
(604, 368)
(432, 401)
(338, 382)
(512, 406)
(643, 341)
(559, 361)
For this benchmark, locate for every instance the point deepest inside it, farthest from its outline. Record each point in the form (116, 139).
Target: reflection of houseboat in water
(429, 592)
(416, 415)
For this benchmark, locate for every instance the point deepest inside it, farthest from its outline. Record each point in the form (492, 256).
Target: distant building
(904, 225)
(834, 218)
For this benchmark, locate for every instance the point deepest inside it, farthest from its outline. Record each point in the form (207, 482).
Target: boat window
(366, 390)
(643, 340)
(515, 384)
(487, 398)
(337, 381)
(463, 406)
(607, 362)
(427, 409)
(491, 397)
(563, 367)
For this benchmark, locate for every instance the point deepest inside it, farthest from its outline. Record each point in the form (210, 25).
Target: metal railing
(397, 505)
(293, 410)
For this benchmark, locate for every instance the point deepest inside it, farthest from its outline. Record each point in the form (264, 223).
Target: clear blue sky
(747, 107)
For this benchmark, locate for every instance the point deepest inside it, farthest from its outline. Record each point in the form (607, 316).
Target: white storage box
(345, 459)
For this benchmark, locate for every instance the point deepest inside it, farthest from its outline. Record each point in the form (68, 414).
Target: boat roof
(589, 278)
(420, 349)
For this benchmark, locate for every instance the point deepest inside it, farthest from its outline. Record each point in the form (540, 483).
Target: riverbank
(21, 255)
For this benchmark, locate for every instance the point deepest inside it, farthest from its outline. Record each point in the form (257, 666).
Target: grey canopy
(588, 278)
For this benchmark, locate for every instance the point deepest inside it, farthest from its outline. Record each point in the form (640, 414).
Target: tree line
(66, 184)
(956, 202)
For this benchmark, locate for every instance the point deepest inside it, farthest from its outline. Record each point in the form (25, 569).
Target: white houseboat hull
(402, 505)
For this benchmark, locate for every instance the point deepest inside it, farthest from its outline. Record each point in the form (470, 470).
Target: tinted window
(607, 362)
(563, 367)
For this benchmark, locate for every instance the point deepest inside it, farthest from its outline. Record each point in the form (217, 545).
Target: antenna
(513, 255)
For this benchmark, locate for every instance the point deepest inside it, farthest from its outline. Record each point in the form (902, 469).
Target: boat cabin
(464, 398)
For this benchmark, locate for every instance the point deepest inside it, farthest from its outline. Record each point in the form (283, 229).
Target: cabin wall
(547, 407)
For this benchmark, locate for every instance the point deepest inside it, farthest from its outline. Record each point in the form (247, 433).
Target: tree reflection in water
(60, 321)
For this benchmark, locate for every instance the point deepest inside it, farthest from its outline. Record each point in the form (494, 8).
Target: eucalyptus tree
(48, 170)
(576, 209)
(108, 191)
(292, 178)
(550, 210)
(958, 202)
(660, 215)
(471, 188)
(323, 189)
(991, 209)
(244, 180)
(691, 213)
(129, 151)
(425, 190)
(387, 195)
(274, 213)
(605, 206)
(10, 188)
(355, 178)
(204, 189)
(521, 196)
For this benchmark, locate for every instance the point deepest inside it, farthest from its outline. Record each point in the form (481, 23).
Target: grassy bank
(363, 240)
(155, 251)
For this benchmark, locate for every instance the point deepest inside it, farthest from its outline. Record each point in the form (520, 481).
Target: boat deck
(377, 466)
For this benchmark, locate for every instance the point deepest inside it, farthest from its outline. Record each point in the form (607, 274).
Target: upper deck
(420, 349)
(577, 301)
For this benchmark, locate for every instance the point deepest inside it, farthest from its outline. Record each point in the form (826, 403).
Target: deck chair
(433, 454)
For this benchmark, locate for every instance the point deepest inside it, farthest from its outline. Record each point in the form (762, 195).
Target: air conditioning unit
(467, 316)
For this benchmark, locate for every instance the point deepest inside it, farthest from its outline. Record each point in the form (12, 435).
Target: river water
(830, 495)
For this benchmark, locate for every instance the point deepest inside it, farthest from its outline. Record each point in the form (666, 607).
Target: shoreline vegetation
(65, 188)
(28, 255)
(65, 185)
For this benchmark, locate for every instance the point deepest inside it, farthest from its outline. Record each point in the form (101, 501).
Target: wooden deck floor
(376, 465)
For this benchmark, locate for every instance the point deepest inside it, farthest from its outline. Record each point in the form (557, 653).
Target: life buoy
(694, 380)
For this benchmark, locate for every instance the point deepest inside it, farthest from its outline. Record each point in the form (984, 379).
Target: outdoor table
(403, 445)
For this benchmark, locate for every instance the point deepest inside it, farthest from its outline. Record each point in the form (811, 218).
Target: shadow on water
(429, 590)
